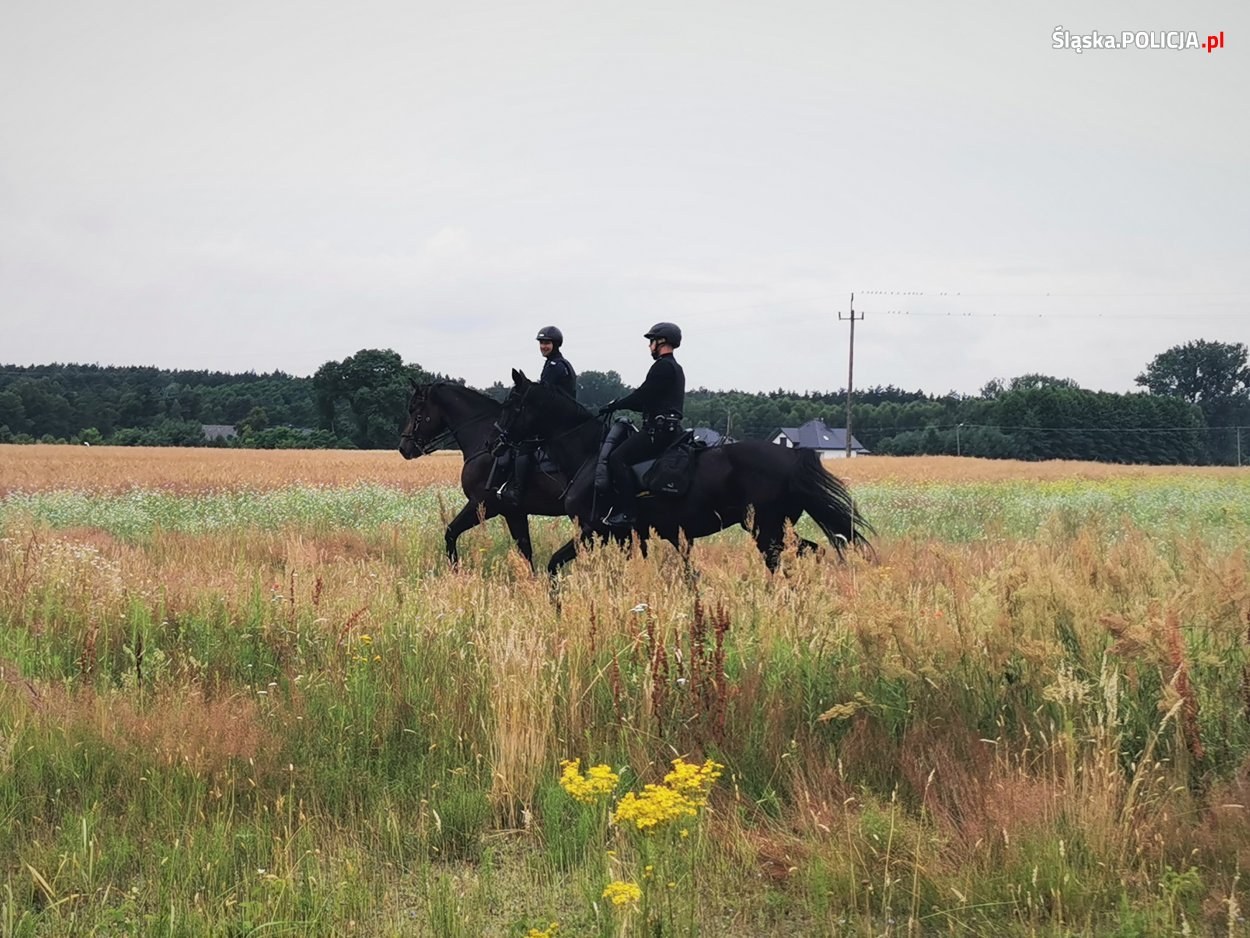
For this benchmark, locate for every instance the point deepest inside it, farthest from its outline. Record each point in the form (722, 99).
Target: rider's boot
(514, 492)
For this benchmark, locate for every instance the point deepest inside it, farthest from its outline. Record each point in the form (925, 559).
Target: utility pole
(850, 370)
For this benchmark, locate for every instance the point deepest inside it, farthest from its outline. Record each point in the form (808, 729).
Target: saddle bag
(673, 470)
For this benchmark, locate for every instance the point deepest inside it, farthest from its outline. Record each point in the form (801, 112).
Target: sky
(275, 184)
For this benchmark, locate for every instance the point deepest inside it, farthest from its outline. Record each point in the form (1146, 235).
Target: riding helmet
(551, 334)
(669, 332)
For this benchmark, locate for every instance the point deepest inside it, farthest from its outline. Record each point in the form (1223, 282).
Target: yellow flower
(622, 893)
(548, 932)
(598, 783)
(693, 781)
(684, 791)
(656, 806)
(366, 639)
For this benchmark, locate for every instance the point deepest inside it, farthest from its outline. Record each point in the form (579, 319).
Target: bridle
(439, 440)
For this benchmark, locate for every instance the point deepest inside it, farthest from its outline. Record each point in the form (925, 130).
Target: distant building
(815, 435)
(218, 431)
(710, 437)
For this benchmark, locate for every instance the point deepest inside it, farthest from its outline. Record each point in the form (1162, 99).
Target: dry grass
(116, 469)
(968, 469)
(926, 734)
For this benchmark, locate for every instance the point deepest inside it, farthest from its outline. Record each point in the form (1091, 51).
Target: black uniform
(558, 373)
(660, 398)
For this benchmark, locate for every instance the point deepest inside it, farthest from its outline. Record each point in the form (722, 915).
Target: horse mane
(576, 408)
(457, 386)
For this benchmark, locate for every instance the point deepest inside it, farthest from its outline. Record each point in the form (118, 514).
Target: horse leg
(469, 517)
(768, 538)
(519, 528)
(809, 547)
(565, 554)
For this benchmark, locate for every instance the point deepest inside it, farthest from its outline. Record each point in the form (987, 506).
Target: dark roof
(219, 431)
(815, 435)
(709, 436)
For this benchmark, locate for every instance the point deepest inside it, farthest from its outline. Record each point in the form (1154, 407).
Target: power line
(1051, 315)
(1048, 293)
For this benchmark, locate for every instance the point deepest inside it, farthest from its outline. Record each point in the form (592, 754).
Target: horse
(443, 409)
(760, 486)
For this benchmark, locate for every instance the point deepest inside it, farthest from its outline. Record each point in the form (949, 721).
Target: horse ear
(519, 379)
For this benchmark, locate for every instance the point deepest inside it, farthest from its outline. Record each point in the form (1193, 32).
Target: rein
(434, 442)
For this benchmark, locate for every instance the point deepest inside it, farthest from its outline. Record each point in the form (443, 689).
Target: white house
(815, 435)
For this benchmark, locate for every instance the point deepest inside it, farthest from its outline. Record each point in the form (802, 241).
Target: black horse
(441, 410)
(758, 485)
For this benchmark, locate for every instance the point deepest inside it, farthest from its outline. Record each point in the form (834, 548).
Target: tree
(375, 384)
(1215, 377)
(1200, 372)
(255, 421)
(1034, 382)
(596, 388)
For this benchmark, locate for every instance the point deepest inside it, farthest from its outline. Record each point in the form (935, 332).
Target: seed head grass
(243, 694)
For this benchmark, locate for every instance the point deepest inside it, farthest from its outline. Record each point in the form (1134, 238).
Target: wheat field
(115, 468)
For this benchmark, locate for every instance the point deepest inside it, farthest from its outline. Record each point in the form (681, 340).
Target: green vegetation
(1196, 409)
(247, 713)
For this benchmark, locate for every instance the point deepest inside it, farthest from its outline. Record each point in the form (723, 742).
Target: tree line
(1194, 409)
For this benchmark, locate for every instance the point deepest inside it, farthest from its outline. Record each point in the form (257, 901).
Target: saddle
(502, 469)
(672, 471)
(668, 474)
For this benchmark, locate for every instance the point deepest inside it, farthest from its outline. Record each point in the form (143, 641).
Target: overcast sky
(274, 184)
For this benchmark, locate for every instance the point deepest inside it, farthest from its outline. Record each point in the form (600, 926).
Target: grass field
(241, 693)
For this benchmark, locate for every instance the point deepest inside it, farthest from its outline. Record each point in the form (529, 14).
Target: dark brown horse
(758, 485)
(441, 412)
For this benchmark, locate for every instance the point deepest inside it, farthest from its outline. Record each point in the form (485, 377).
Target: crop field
(242, 693)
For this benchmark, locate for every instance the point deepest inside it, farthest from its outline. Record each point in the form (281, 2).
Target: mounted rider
(660, 399)
(556, 373)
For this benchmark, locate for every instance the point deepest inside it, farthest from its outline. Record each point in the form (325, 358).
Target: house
(815, 435)
(710, 437)
(218, 431)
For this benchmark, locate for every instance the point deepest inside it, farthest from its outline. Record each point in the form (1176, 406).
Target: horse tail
(829, 502)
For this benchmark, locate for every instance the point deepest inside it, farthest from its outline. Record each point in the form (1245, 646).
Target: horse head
(425, 426)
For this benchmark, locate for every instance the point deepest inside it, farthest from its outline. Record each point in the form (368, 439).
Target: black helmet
(669, 332)
(551, 334)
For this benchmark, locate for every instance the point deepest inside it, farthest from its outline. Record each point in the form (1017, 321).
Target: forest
(1193, 408)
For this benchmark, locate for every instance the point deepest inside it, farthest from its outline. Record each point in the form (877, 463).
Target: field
(241, 693)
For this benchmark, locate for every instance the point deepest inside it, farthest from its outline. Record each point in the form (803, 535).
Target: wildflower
(548, 932)
(598, 783)
(622, 893)
(656, 806)
(366, 639)
(693, 781)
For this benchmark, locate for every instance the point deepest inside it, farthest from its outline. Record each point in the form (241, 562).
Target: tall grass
(278, 711)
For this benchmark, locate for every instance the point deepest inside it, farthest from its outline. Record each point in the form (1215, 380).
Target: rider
(659, 398)
(557, 373)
